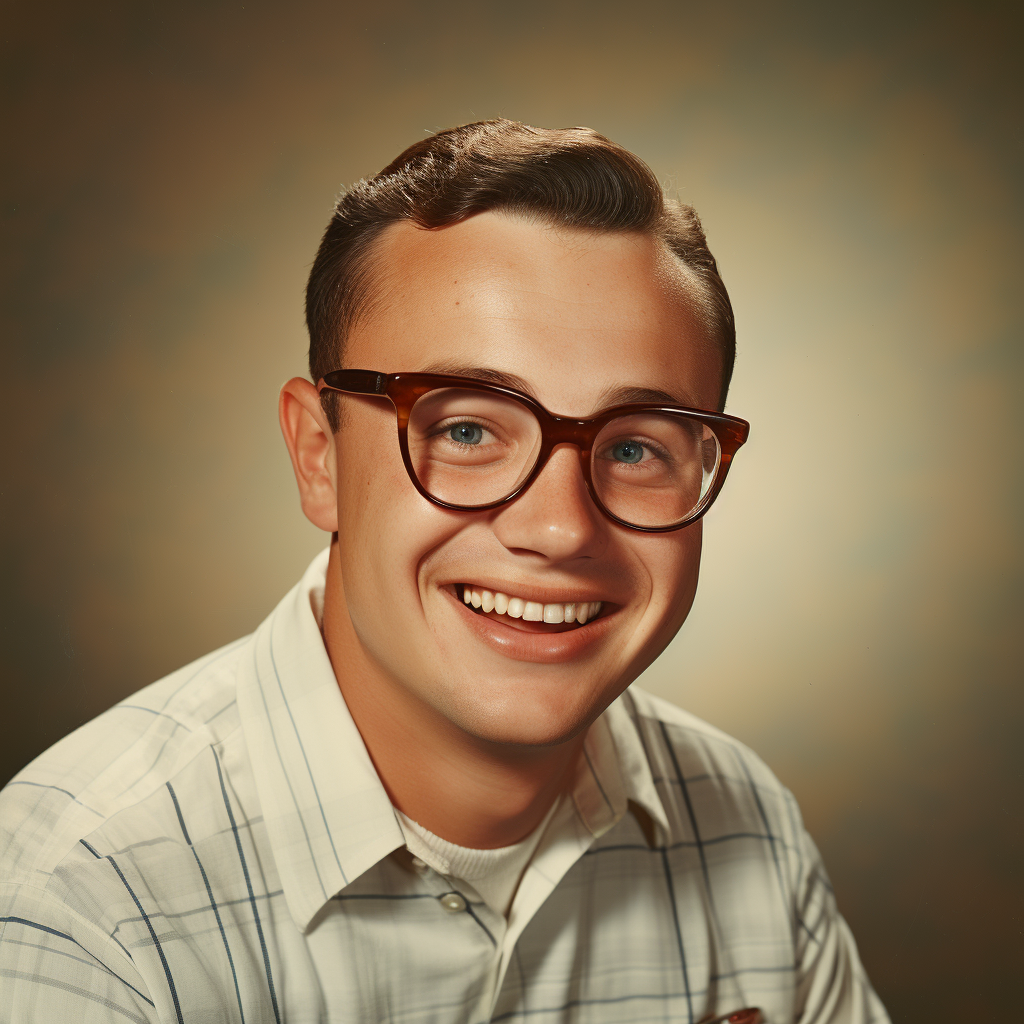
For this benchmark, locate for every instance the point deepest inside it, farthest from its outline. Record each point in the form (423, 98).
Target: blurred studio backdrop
(167, 172)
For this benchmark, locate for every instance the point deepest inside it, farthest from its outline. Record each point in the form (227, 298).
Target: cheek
(674, 575)
(370, 473)
(385, 530)
(673, 565)
(371, 501)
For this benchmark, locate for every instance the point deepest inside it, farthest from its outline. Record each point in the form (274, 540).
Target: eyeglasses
(470, 446)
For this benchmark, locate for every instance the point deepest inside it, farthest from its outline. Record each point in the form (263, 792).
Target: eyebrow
(499, 377)
(625, 394)
(630, 394)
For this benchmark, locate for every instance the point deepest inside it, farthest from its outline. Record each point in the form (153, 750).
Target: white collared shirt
(218, 847)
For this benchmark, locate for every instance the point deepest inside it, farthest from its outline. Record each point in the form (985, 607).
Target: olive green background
(167, 171)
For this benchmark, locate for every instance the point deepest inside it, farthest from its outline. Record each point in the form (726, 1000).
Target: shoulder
(112, 763)
(681, 734)
(703, 775)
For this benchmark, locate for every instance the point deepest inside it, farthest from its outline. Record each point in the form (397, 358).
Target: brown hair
(570, 176)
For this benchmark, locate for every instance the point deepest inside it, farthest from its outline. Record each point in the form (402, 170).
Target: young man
(422, 791)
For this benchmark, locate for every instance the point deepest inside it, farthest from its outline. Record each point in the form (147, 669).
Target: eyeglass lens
(473, 448)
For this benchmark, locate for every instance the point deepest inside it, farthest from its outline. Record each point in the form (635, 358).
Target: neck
(470, 791)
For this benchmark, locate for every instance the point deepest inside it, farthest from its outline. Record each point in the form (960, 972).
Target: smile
(488, 601)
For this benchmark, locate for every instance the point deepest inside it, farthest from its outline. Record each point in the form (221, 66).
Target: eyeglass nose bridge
(564, 430)
(554, 431)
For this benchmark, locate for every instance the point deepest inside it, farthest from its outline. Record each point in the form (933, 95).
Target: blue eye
(628, 451)
(466, 433)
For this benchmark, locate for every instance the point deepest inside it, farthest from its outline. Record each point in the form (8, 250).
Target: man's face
(579, 317)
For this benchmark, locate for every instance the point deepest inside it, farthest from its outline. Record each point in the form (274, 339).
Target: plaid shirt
(218, 847)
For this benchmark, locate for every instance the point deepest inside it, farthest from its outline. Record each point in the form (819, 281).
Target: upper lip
(541, 593)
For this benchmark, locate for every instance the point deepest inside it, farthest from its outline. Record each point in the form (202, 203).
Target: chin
(523, 718)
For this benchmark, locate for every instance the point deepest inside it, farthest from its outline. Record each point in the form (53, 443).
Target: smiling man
(423, 789)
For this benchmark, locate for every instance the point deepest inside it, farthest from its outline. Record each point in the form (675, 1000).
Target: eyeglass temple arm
(357, 382)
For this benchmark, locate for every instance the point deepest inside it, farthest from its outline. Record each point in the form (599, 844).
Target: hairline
(690, 288)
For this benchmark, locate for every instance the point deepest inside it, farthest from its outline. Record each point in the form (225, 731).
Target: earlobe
(310, 443)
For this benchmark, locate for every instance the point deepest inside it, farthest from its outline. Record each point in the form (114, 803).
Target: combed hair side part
(572, 177)
(684, 235)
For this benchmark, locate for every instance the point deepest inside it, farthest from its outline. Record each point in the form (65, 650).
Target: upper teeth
(532, 611)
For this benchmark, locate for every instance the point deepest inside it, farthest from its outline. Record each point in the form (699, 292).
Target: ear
(310, 444)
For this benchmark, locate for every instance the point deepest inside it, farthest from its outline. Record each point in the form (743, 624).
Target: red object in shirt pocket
(749, 1015)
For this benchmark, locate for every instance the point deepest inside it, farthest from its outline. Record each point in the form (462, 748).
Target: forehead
(575, 314)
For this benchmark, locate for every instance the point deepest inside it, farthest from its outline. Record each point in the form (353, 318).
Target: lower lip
(519, 645)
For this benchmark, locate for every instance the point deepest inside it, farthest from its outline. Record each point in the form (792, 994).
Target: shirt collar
(615, 771)
(327, 815)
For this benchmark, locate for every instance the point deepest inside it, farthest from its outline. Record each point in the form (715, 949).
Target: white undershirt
(494, 874)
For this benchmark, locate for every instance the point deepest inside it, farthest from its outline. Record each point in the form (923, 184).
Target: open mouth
(532, 615)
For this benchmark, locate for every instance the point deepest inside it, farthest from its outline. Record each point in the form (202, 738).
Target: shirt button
(453, 902)
(419, 866)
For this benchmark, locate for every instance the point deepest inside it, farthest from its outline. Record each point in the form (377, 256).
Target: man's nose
(555, 517)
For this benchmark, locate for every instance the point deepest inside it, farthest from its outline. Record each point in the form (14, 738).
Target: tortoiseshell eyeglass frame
(403, 390)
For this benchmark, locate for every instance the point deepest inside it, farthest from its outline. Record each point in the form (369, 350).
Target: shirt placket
(459, 898)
